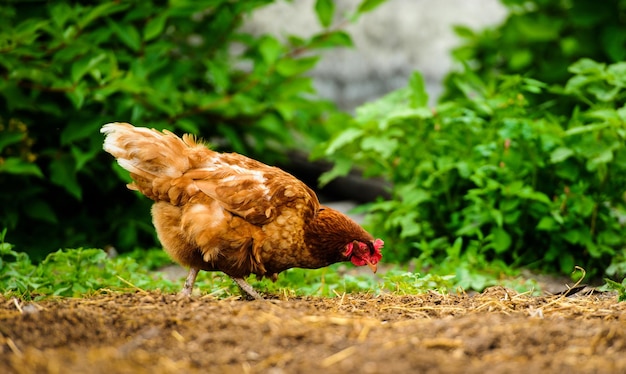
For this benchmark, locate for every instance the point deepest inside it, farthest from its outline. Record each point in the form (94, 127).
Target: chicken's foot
(189, 282)
(247, 288)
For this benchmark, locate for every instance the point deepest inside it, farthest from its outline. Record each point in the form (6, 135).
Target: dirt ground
(497, 331)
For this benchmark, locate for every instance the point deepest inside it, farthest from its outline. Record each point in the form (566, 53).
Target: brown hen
(226, 212)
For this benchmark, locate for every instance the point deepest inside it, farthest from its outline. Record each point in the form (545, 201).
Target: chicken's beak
(374, 267)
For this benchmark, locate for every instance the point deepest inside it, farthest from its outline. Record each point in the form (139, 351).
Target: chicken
(226, 212)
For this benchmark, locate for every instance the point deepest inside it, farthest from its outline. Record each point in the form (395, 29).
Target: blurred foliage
(334, 281)
(67, 68)
(522, 161)
(493, 175)
(541, 38)
(620, 288)
(71, 273)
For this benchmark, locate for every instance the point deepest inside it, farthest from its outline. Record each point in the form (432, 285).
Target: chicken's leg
(191, 279)
(247, 288)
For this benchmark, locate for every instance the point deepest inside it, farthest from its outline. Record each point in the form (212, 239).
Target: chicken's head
(361, 254)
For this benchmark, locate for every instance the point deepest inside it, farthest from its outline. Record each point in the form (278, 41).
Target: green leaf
(409, 226)
(501, 240)
(604, 115)
(233, 138)
(413, 196)
(601, 158)
(419, 96)
(384, 147)
(218, 74)
(572, 236)
(560, 154)
(497, 217)
(603, 93)
(188, 126)
(15, 165)
(587, 66)
(379, 110)
(535, 195)
(78, 129)
(60, 13)
(270, 49)
(77, 95)
(369, 5)
(614, 286)
(617, 74)
(121, 173)
(289, 67)
(520, 59)
(62, 173)
(85, 64)
(101, 11)
(341, 168)
(347, 136)
(27, 31)
(547, 223)
(294, 87)
(81, 157)
(8, 138)
(155, 26)
(331, 39)
(126, 33)
(464, 32)
(587, 128)
(325, 10)
(41, 210)
(566, 260)
(538, 29)
(454, 251)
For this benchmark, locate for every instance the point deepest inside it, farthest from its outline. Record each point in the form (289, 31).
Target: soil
(497, 331)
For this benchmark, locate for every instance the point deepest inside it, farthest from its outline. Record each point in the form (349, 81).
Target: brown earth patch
(497, 331)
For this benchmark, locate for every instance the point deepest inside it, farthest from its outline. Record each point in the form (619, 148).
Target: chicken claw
(247, 288)
(191, 279)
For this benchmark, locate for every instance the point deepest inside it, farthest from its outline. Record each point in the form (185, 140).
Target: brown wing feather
(252, 190)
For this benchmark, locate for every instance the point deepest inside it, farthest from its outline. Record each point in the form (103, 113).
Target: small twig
(14, 347)
(363, 334)
(565, 294)
(17, 305)
(178, 336)
(342, 295)
(131, 285)
(339, 356)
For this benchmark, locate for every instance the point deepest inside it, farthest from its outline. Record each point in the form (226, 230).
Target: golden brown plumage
(227, 212)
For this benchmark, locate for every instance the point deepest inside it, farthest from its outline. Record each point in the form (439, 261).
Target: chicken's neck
(329, 233)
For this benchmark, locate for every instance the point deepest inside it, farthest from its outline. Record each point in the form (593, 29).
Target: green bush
(522, 161)
(541, 38)
(67, 68)
(492, 174)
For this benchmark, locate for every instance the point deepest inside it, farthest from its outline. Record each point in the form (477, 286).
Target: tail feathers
(152, 157)
(146, 152)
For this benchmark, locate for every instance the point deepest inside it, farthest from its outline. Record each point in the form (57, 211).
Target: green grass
(81, 272)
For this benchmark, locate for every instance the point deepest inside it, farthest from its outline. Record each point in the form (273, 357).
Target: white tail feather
(146, 152)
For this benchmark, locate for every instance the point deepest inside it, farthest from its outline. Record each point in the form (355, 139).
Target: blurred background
(401, 36)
